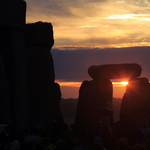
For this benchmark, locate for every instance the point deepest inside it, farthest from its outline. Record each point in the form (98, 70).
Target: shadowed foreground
(30, 117)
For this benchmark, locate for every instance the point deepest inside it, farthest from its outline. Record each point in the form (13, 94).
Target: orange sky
(71, 89)
(94, 23)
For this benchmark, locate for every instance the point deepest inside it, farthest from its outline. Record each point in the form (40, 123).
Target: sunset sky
(94, 25)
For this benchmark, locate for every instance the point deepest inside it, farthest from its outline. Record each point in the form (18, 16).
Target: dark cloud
(72, 65)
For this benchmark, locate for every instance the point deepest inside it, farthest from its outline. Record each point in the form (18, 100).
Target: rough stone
(40, 80)
(5, 117)
(93, 95)
(56, 102)
(114, 71)
(13, 13)
(12, 22)
(136, 101)
(39, 34)
(40, 71)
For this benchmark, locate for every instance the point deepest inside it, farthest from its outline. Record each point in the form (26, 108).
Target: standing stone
(136, 101)
(93, 95)
(40, 72)
(5, 117)
(12, 22)
(57, 115)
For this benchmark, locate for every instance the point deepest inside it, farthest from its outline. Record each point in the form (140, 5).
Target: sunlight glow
(69, 84)
(130, 16)
(120, 83)
(86, 26)
(124, 82)
(78, 84)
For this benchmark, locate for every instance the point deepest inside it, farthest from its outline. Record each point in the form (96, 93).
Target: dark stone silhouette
(39, 34)
(114, 71)
(13, 88)
(28, 93)
(56, 102)
(40, 71)
(95, 98)
(136, 101)
(13, 13)
(5, 50)
(93, 95)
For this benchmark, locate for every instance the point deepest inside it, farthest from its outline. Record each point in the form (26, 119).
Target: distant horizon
(77, 98)
(71, 66)
(94, 32)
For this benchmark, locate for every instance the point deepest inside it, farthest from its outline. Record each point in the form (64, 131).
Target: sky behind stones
(94, 23)
(72, 65)
(84, 28)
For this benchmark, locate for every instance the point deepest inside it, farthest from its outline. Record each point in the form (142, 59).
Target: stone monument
(13, 63)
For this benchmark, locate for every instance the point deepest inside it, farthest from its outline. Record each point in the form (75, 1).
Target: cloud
(97, 23)
(72, 65)
(84, 9)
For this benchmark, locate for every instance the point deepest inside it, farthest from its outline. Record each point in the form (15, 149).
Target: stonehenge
(28, 92)
(136, 100)
(13, 64)
(94, 96)
(115, 71)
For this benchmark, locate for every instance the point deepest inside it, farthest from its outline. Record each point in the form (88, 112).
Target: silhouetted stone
(56, 102)
(40, 80)
(40, 72)
(93, 95)
(136, 101)
(114, 71)
(5, 117)
(39, 34)
(13, 13)
(12, 21)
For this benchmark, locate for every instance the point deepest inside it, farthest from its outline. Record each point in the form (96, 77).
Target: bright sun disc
(124, 82)
(120, 83)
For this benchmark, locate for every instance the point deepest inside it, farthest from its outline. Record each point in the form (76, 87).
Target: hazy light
(130, 16)
(124, 82)
(86, 26)
(69, 84)
(78, 84)
(120, 83)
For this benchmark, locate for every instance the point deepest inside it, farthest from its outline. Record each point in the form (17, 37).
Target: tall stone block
(5, 117)
(136, 101)
(93, 95)
(20, 88)
(12, 22)
(40, 71)
(57, 115)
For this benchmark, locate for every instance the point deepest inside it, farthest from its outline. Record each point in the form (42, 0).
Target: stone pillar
(136, 101)
(57, 115)
(40, 72)
(12, 22)
(5, 117)
(93, 95)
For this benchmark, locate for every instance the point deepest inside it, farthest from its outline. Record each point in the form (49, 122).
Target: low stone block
(115, 71)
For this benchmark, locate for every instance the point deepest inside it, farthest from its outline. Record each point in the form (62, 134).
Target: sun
(121, 83)
(124, 82)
